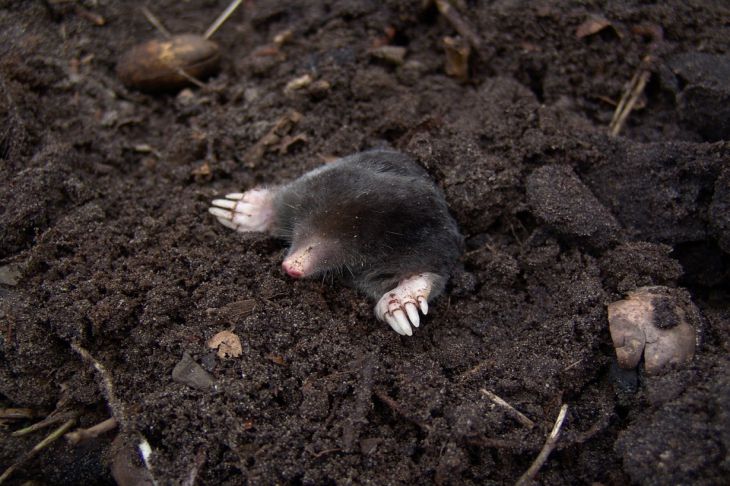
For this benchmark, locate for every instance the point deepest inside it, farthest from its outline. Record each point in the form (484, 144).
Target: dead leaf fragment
(276, 359)
(593, 25)
(281, 127)
(457, 57)
(202, 172)
(289, 141)
(227, 344)
(235, 311)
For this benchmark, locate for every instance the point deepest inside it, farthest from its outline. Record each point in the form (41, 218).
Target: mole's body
(374, 217)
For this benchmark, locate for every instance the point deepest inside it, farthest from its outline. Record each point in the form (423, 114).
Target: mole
(375, 218)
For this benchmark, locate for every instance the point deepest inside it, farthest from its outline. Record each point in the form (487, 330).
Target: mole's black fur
(383, 217)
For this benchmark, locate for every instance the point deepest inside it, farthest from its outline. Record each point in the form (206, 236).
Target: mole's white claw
(412, 312)
(221, 213)
(424, 305)
(227, 224)
(402, 320)
(392, 323)
(399, 307)
(248, 211)
(224, 203)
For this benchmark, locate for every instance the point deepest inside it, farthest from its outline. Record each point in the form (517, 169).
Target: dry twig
(107, 386)
(16, 413)
(550, 443)
(395, 406)
(519, 416)
(52, 437)
(633, 91)
(152, 19)
(222, 18)
(462, 26)
(82, 435)
(52, 419)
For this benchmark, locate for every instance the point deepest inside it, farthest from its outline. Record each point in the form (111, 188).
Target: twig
(53, 436)
(52, 419)
(281, 127)
(572, 365)
(319, 454)
(521, 418)
(546, 449)
(496, 443)
(222, 18)
(457, 22)
(630, 96)
(393, 405)
(81, 435)
(16, 413)
(192, 79)
(155, 22)
(115, 405)
(479, 366)
(200, 459)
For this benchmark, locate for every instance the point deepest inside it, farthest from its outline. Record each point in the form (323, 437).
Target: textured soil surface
(108, 256)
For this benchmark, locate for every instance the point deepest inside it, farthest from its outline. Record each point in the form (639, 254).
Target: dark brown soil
(103, 211)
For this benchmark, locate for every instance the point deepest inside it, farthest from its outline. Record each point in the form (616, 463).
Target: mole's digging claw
(399, 307)
(249, 211)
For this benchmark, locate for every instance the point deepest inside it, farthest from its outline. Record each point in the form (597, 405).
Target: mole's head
(311, 255)
(330, 240)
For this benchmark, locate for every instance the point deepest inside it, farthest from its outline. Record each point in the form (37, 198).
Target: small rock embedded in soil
(10, 274)
(657, 323)
(190, 373)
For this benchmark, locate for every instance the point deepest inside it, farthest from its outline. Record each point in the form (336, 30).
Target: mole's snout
(302, 261)
(291, 269)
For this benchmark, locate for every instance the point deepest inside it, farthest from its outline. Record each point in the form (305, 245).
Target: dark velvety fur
(381, 216)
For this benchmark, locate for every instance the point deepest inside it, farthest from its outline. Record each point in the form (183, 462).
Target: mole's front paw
(252, 210)
(399, 307)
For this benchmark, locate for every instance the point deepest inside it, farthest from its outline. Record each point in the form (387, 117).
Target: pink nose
(292, 270)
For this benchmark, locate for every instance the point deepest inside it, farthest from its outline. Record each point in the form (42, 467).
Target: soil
(108, 255)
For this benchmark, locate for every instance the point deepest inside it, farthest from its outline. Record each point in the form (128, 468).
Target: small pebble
(190, 373)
